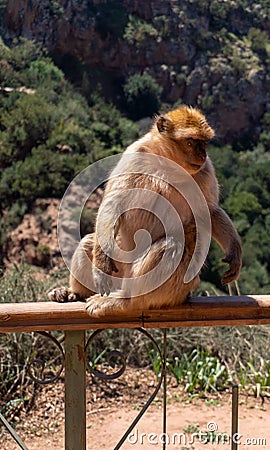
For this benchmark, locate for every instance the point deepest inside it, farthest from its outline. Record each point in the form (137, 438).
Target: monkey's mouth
(196, 166)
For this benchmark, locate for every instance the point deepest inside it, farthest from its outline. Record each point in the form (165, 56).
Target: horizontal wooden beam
(198, 311)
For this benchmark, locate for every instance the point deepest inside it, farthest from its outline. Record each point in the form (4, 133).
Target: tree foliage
(245, 186)
(142, 95)
(49, 132)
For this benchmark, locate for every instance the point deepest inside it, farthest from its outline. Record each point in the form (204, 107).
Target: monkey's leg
(172, 292)
(99, 306)
(80, 270)
(122, 300)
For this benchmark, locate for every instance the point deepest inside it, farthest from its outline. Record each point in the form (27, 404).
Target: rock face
(198, 51)
(35, 239)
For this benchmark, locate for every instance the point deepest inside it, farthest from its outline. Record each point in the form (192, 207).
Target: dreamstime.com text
(208, 436)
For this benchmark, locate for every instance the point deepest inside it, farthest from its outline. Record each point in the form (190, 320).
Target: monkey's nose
(202, 156)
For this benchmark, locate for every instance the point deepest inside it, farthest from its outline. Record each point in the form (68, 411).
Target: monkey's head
(188, 129)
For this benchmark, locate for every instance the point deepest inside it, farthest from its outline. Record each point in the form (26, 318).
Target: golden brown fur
(181, 136)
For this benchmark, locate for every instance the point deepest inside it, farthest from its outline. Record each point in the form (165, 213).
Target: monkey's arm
(103, 266)
(225, 234)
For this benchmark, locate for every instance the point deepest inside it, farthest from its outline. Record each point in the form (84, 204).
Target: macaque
(149, 221)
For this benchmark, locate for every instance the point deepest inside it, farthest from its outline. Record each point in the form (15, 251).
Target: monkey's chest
(141, 228)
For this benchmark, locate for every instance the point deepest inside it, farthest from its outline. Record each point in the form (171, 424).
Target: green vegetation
(142, 95)
(205, 436)
(23, 283)
(48, 132)
(3, 5)
(245, 184)
(56, 119)
(199, 371)
(201, 360)
(138, 31)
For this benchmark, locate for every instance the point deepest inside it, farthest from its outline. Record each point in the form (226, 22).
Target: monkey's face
(192, 154)
(186, 132)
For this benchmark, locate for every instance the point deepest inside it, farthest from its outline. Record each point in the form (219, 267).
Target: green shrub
(219, 10)
(43, 255)
(199, 371)
(138, 31)
(109, 126)
(70, 134)
(43, 174)
(142, 95)
(23, 52)
(56, 9)
(259, 40)
(243, 205)
(44, 72)
(29, 123)
(3, 5)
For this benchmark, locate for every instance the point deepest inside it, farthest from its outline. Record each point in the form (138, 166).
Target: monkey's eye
(190, 143)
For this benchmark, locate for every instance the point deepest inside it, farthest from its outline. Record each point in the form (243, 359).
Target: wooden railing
(198, 311)
(73, 319)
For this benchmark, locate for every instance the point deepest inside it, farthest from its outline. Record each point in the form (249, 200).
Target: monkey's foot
(98, 306)
(63, 295)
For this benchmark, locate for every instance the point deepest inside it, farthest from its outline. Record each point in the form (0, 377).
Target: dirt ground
(111, 407)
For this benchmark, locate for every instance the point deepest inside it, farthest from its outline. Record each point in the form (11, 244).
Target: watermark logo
(138, 182)
(210, 435)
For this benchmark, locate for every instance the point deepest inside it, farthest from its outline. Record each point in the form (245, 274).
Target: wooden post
(234, 417)
(75, 396)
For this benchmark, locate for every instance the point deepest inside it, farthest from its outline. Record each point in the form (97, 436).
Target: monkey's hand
(234, 259)
(101, 276)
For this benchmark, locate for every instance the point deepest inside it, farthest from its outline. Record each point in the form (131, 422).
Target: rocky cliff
(204, 53)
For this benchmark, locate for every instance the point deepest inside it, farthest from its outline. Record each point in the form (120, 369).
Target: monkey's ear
(164, 124)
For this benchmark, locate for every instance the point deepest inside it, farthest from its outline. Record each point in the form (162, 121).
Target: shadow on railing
(72, 318)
